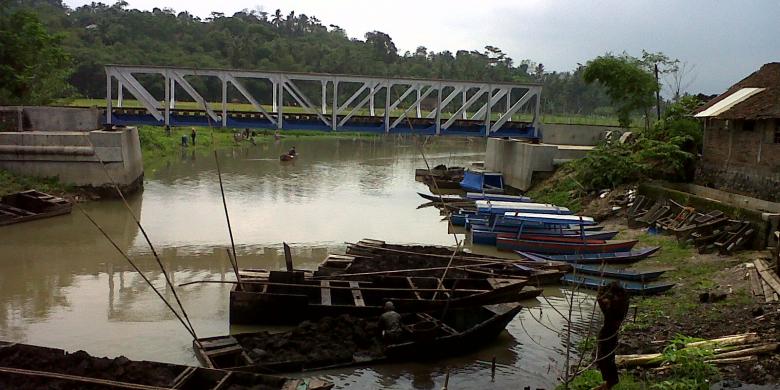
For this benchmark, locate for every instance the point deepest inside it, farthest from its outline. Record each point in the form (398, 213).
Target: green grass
(217, 106)
(562, 189)
(692, 277)
(11, 182)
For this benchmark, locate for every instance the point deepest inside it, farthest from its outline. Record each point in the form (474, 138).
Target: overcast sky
(723, 40)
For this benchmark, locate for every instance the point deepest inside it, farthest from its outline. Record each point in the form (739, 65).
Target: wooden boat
(31, 205)
(372, 256)
(551, 247)
(636, 288)
(24, 366)
(484, 182)
(287, 157)
(344, 341)
(541, 229)
(487, 237)
(441, 183)
(617, 273)
(625, 257)
(498, 207)
(497, 197)
(444, 198)
(440, 171)
(291, 297)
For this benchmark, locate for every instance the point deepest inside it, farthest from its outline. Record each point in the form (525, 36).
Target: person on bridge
(390, 324)
(192, 135)
(292, 151)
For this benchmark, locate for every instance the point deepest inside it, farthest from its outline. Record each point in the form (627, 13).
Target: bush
(666, 151)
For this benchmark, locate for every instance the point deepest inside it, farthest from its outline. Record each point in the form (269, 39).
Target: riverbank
(656, 322)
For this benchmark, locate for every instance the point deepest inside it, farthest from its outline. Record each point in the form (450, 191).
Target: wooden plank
(221, 384)
(755, 284)
(218, 343)
(325, 293)
(288, 257)
(182, 378)
(442, 325)
(82, 379)
(768, 276)
(224, 351)
(357, 295)
(414, 288)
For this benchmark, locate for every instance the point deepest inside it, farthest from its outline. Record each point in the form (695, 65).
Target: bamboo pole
(317, 286)
(406, 270)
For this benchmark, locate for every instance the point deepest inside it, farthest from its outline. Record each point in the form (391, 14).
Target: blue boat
(498, 197)
(636, 288)
(479, 181)
(625, 257)
(488, 237)
(616, 273)
(501, 208)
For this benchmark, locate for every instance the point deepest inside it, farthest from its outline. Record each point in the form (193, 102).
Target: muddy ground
(680, 312)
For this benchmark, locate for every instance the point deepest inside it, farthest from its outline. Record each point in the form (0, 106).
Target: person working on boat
(292, 151)
(390, 324)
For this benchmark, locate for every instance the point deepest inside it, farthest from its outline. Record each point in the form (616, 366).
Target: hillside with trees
(97, 34)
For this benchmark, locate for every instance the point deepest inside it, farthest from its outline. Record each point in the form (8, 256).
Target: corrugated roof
(729, 101)
(762, 105)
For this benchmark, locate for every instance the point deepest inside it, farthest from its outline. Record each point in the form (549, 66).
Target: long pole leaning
(234, 260)
(135, 267)
(146, 236)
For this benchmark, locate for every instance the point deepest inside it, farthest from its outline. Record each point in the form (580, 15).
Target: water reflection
(63, 285)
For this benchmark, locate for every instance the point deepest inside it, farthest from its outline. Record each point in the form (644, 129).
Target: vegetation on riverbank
(665, 318)
(11, 183)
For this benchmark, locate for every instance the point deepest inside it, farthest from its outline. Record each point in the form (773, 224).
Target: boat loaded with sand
(288, 297)
(24, 367)
(344, 341)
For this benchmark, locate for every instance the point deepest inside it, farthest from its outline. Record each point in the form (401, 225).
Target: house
(741, 150)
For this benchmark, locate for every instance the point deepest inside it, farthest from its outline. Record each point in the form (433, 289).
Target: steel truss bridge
(345, 102)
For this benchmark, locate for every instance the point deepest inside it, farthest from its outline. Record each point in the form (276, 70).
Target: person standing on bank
(192, 135)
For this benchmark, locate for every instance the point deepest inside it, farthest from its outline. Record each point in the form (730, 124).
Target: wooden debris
(769, 281)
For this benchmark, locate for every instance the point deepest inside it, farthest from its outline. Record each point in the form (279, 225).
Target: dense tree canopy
(33, 65)
(630, 86)
(97, 34)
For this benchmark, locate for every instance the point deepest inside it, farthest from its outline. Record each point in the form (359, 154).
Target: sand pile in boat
(331, 340)
(82, 364)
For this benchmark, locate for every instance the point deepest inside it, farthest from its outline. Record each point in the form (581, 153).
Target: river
(63, 285)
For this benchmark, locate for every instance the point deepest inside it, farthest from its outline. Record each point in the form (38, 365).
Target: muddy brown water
(63, 285)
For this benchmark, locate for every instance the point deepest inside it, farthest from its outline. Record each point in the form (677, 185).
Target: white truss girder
(282, 83)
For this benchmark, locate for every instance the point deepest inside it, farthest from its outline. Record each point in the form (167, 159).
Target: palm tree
(277, 19)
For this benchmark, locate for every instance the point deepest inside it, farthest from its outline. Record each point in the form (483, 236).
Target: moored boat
(538, 246)
(24, 366)
(497, 197)
(291, 297)
(498, 207)
(487, 237)
(31, 205)
(287, 157)
(624, 257)
(617, 273)
(346, 341)
(480, 181)
(632, 287)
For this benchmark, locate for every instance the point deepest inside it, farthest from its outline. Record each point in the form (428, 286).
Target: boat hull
(620, 257)
(634, 288)
(547, 247)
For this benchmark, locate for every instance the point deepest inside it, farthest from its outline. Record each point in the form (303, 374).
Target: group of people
(246, 134)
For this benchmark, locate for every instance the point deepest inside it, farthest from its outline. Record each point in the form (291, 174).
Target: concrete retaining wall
(518, 160)
(51, 118)
(582, 135)
(74, 157)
